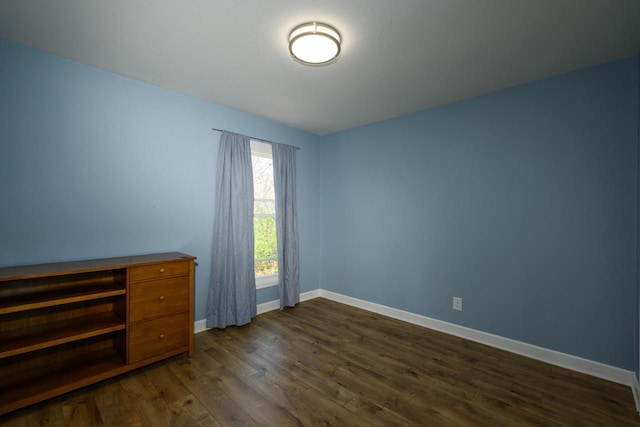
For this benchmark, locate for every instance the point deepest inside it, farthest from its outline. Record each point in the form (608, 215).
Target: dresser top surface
(71, 267)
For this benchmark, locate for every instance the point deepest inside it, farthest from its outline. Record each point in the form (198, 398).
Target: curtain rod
(257, 139)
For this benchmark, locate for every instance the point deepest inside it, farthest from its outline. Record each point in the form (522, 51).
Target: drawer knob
(161, 336)
(161, 297)
(162, 270)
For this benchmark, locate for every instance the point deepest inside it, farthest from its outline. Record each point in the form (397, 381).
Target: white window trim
(266, 281)
(262, 149)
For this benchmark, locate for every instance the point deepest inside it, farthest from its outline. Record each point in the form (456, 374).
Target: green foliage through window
(264, 220)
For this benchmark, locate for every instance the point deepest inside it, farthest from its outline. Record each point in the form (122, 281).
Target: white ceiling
(398, 56)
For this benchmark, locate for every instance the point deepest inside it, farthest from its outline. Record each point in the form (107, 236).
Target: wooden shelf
(60, 379)
(26, 302)
(64, 331)
(67, 325)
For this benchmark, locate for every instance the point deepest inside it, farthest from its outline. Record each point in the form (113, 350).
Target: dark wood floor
(324, 363)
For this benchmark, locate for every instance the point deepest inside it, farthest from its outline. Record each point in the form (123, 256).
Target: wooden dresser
(67, 325)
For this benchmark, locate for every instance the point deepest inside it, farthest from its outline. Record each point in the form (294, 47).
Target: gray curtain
(284, 179)
(232, 294)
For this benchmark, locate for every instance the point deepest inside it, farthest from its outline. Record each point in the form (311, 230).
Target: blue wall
(93, 164)
(522, 202)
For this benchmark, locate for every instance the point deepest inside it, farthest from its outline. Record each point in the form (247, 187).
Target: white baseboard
(306, 296)
(575, 363)
(268, 306)
(596, 369)
(201, 325)
(636, 392)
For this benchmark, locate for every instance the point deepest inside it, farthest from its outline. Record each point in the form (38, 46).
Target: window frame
(263, 149)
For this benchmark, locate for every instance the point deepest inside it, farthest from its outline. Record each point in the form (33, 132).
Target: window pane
(262, 178)
(266, 267)
(265, 239)
(264, 206)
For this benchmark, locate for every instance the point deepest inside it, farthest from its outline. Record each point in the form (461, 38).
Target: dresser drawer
(158, 271)
(155, 337)
(158, 297)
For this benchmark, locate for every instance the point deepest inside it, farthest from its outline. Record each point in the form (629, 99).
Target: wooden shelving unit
(39, 337)
(66, 377)
(67, 325)
(31, 302)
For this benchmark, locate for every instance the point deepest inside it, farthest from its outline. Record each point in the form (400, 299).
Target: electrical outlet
(457, 303)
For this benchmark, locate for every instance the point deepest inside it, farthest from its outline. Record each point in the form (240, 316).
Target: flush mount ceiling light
(314, 43)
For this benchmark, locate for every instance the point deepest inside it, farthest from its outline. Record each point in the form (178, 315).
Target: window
(264, 216)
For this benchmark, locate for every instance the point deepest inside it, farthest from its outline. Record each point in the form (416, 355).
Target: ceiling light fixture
(314, 43)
